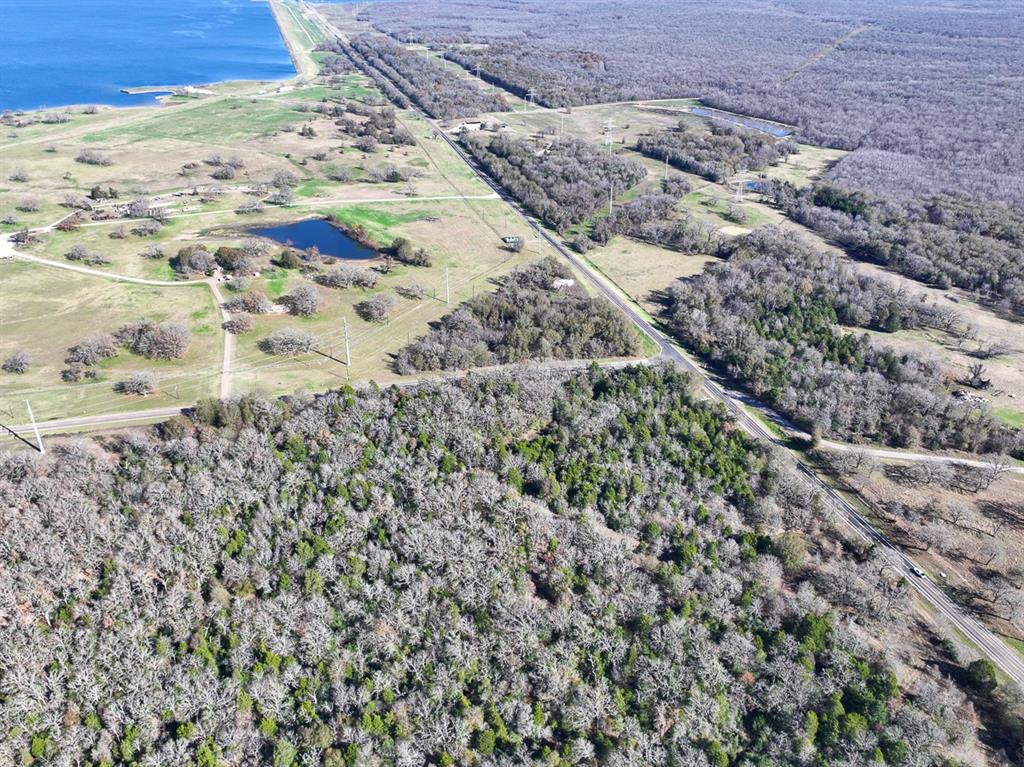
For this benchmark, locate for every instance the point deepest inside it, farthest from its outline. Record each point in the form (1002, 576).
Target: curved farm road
(7, 250)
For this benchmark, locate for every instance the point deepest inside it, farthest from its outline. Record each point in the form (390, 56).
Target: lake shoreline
(288, 44)
(114, 94)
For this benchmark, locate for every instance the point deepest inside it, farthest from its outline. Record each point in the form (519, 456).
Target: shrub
(304, 301)
(153, 251)
(146, 228)
(289, 259)
(76, 372)
(238, 284)
(166, 341)
(676, 186)
(341, 174)
(93, 349)
(289, 343)
(366, 144)
(247, 208)
(17, 363)
(404, 251)
(70, 224)
(347, 276)
(234, 260)
(92, 157)
(581, 243)
(139, 384)
(240, 324)
(737, 215)
(193, 259)
(252, 302)
(377, 308)
(982, 675)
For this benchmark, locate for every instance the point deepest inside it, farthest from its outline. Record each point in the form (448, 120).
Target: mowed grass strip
(379, 224)
(1011, 417)
(220, 121)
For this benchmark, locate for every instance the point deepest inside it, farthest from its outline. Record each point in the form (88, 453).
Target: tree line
(943, 241)
(537, 312)
(563, 182)
(652, 217)
(716, 154)
(407, 77)
(780, 318)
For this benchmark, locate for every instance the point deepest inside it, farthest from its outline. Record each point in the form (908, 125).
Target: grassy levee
(300, 36)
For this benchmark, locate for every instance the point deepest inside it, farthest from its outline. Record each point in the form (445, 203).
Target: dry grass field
(163, 153)
(47, 309)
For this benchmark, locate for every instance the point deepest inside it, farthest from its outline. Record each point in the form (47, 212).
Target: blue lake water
(60, 52)
(329, 240)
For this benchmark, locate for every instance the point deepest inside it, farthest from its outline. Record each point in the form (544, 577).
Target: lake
(328, 239)
(61, 52)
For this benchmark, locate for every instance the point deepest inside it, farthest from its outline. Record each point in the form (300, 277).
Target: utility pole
(35, 428)
(447, 288)
(348, 352)
(10, 430)
(611, 195)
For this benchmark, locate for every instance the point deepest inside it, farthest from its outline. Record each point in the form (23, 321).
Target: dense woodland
(562, 182)
(944, 241)
(716, 154)
(418, 79)
(780, 318)
(537, 312)
(927, 97)
(516, 569)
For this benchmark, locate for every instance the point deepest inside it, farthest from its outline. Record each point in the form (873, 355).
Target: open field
(300, 35)
(640, 269)
(1005, 371)
(443, 229)
(163, 153)
(46, 310)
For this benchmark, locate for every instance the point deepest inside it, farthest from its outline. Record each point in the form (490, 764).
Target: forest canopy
(528, 568)
(943, 241)
(563, 182)
(925, 97)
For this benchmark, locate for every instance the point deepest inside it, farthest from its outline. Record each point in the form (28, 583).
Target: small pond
(328, 239)
(774, 129)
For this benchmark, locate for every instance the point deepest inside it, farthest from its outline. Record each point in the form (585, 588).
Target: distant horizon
(191, 42)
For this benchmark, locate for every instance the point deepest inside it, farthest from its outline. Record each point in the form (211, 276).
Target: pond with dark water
(328, 239)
